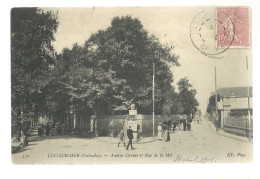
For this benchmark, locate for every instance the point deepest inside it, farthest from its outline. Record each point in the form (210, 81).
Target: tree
(187, 96)
(126, 50)
(32, 54)
(211, 108)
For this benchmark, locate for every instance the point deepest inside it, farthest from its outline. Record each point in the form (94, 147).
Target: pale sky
(169, 25)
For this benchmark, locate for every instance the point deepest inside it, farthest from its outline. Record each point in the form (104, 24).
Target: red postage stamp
(234, 25)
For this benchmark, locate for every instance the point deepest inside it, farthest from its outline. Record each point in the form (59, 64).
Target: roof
(238, 92)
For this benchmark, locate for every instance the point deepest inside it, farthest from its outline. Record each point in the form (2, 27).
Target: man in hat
(130, 137)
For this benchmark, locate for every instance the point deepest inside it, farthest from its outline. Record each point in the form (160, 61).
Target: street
(200, 145)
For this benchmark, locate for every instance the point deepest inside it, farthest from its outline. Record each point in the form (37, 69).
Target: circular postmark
(212, 35)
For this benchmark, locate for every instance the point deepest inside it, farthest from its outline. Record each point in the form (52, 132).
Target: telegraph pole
(216, 99)
(153, 96)
(248, 101)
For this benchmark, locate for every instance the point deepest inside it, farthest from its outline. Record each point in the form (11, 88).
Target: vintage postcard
(131, 85)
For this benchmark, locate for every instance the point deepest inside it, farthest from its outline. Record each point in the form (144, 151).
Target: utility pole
(248, 101)
(216, 99)
(153, 96)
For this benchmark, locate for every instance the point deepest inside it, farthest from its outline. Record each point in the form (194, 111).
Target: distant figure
(184, 122)
(122, 137)
(40, 130)
(62, 129)
(189, 121)
(166, 126)
(130, 137)
(217, 124)
(47, 130)
(111, 128)
(180, 123)
(160, 136)
(198, 119)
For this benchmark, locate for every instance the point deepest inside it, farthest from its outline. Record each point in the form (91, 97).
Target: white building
(233, 107)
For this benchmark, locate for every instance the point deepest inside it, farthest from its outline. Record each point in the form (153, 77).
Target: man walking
(130, 137)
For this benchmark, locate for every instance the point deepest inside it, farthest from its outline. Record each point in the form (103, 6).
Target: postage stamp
(234, 23)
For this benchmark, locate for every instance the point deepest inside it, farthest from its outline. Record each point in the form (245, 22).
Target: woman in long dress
(160, 137)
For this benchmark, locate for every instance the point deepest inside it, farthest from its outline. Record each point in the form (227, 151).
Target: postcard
(131, 85)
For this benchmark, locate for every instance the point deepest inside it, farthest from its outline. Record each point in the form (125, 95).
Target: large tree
(128, 51)
(187, 96)
(32, 31)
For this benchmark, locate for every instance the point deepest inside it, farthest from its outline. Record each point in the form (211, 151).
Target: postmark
(205, 35)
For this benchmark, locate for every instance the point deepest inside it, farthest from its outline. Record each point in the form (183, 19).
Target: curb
(222, 133)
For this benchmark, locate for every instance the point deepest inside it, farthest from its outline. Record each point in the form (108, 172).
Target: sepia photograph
(131, 85)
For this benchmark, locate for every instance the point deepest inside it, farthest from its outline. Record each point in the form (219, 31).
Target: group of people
(51, 130)
(164, 128)
(130, 135)
(186, 122)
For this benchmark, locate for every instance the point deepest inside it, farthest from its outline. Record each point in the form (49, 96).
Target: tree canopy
(113, 69)
(187, 96)
(110, 71)
(32, 31)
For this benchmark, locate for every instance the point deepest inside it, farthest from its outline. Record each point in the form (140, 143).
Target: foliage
(187, 96)
(114, 68)
(32, 31)
(211, 108)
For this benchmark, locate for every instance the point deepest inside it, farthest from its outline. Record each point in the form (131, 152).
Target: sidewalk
(226, 134)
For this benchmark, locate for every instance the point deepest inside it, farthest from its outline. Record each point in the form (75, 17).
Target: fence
(238, 125)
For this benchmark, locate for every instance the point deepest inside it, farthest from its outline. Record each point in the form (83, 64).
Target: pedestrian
(167, 130)
(130, 137)
(111, 128)
(47, 130)
(184, 122)
(217, 124)
(189, 121)
(121, 136)
(160, 137)
(40, 130)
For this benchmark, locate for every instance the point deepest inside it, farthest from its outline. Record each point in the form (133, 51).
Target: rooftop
(238, 92)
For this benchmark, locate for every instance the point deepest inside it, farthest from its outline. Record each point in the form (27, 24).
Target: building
(233, 109)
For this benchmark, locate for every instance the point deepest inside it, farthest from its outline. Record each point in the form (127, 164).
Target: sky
(170, 25)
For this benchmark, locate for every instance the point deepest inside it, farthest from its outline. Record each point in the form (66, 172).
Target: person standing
(189, 121)
(167, 124)
(122, 137)
(130, 137)
(160, 137)
(184, 122)
(42, 128)
(47, 130)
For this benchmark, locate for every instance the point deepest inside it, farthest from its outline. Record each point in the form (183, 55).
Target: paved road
(200, 145)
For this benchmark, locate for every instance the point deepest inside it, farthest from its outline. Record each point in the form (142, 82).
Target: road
(200, 145)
